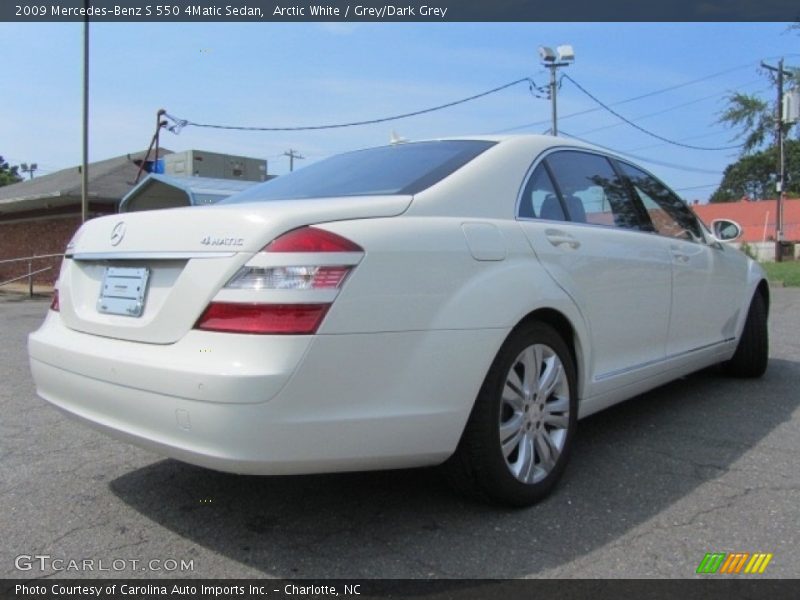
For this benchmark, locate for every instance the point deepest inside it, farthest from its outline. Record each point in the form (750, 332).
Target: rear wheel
(518, 438)
(752, 353)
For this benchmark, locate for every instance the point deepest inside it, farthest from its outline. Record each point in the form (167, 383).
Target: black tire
(479, 467)
(752, 352)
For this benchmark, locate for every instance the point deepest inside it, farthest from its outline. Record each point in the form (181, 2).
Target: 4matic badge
(210, 240)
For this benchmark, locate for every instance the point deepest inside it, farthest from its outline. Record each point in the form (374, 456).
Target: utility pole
(293, 154)
(551, 61)
(781, 72)
(85, 158)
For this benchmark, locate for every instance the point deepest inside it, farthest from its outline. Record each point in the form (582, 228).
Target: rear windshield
(398, 169)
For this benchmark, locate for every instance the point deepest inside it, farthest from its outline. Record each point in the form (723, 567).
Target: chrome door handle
(560, 238)
(678, 255)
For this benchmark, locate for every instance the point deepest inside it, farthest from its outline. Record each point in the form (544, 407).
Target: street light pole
(29, 169)
(551, 61)
(553, 102)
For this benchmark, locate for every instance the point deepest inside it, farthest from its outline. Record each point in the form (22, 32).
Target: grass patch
(788, 272)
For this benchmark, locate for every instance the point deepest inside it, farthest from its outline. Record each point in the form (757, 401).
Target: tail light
(234, 317)
(311, 239)
(54, 304)
(339, 257)
(288, 278)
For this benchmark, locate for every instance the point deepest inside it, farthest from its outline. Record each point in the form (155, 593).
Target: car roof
(539, 142)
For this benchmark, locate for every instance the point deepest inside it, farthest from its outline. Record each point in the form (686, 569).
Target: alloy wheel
(534, 413)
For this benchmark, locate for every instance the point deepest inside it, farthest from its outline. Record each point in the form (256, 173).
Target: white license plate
(123, 291)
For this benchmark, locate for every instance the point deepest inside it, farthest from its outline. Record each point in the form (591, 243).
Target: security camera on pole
(552, 61)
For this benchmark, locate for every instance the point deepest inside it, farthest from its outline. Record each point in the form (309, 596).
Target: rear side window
(540, 199)
(388, 170)
(592, 191)
(670, 216)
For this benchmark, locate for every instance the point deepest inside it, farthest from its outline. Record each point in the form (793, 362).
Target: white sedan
(458, 301)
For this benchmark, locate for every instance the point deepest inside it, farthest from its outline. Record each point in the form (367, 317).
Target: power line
(634, 98)
(642, 129)
(645, 95)
(181, 123)
(669, 109)
(691, 137)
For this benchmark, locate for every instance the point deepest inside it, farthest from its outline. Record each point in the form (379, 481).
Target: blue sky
(266, 74)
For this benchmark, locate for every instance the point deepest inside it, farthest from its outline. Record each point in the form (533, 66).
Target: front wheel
(518, 438)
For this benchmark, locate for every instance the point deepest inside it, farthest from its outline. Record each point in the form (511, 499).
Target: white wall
(765, 251)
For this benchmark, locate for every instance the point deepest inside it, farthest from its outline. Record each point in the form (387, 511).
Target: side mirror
(725, 230)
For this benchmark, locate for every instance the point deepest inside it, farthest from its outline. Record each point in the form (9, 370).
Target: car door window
(670, 216)
(539, 199)
(592, 191)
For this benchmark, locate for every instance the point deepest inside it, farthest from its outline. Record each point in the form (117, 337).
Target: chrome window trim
(538, 160)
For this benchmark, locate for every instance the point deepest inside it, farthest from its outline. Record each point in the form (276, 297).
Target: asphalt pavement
(704, 464)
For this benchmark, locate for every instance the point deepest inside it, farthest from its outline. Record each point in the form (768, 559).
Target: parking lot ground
(704, 464)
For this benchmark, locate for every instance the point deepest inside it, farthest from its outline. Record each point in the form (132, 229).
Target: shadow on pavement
(629, 463)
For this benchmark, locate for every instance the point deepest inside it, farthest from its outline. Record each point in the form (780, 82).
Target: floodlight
(553, 62)
(547, 54)
(566, 53)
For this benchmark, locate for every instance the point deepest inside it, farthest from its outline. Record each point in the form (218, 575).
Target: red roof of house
(757, 218)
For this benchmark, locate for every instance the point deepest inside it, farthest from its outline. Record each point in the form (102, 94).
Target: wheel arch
(568, 332)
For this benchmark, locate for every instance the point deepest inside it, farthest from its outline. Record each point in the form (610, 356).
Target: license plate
(123, 291)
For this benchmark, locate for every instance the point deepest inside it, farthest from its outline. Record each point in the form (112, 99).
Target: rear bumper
(307, 405)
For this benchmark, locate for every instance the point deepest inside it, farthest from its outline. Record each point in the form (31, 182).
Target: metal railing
(29, 275)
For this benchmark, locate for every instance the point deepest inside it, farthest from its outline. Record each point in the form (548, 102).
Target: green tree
(755, 118)
(8, 174)
(753, 175)
(752, 116)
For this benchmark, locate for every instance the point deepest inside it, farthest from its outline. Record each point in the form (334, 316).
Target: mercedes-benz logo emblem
(118, 233)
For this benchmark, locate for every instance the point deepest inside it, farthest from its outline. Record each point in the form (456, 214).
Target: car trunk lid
(175, 261)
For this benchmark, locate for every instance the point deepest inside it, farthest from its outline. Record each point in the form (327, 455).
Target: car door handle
(560, 238)
(678, 255)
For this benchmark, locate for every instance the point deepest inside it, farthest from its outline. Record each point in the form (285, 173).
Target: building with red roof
(756, 218)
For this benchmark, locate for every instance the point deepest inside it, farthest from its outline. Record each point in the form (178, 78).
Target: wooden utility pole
(292, 154)
(781, 72)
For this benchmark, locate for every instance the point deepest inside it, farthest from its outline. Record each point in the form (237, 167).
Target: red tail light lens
(282, 319)
(54, 304)
(311, 239)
